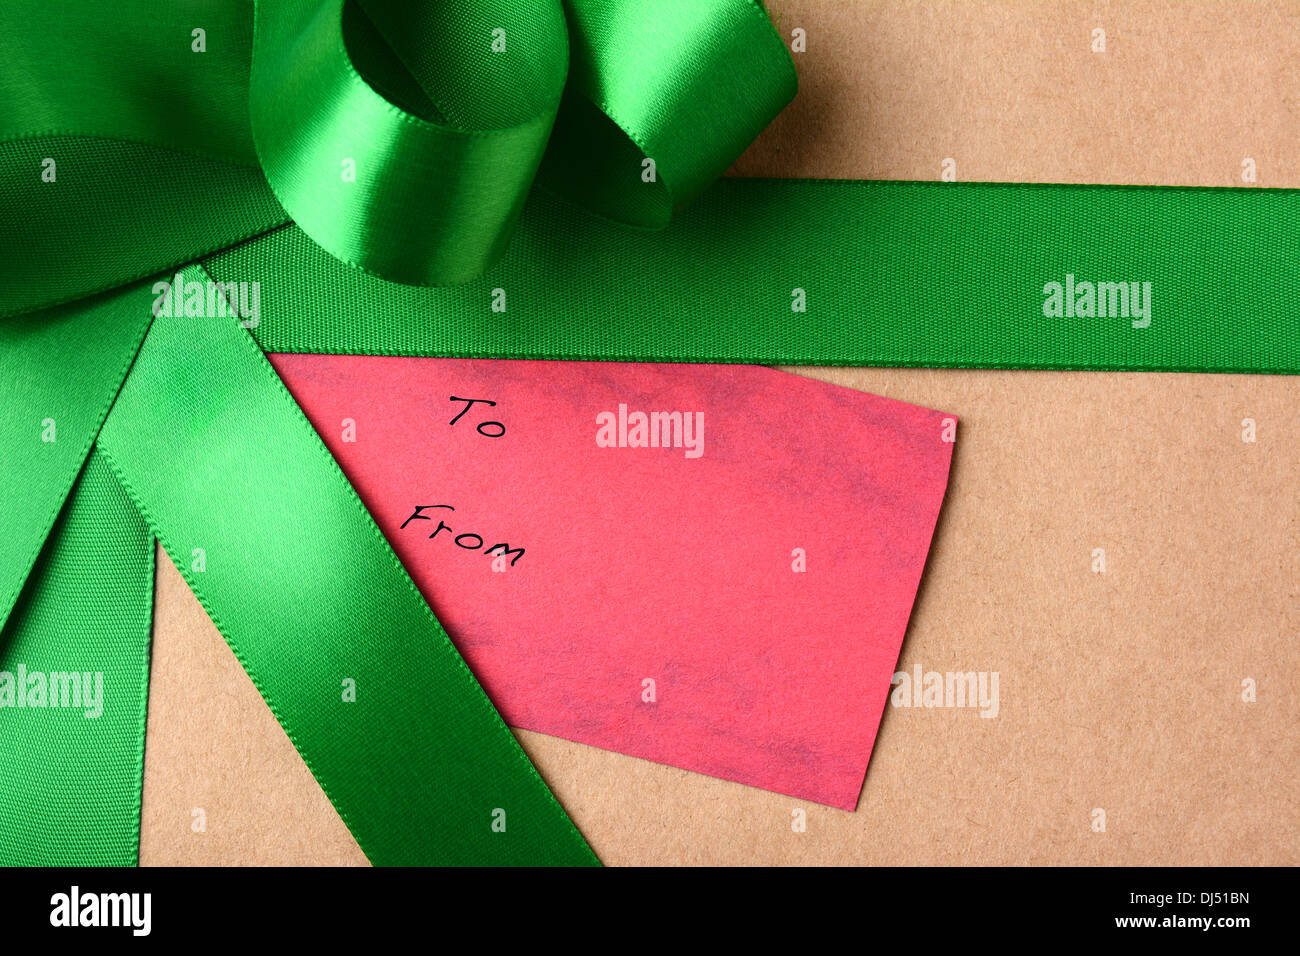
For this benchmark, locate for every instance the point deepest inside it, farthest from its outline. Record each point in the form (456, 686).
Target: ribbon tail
(59, 373)
(299, 580)
(74, 680)
(76, 588)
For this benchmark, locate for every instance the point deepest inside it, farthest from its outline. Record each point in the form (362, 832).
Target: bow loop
(404, 138)
(405, 163)
(662, 99)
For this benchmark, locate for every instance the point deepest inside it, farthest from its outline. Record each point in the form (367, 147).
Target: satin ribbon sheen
(454, 177)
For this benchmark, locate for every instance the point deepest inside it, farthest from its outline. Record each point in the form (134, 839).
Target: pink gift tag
(708, 566)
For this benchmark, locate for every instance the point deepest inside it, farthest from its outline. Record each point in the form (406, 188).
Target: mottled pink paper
(645, 564)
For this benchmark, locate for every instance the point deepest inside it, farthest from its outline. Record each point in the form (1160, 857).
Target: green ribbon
(204, 449)
(307, 592)
(917, 274)
(405, 138)
(455, 178)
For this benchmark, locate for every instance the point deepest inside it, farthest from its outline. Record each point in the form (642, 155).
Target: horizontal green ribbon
(839, 273)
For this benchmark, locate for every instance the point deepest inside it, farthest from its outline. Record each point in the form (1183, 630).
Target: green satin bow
(403, 138)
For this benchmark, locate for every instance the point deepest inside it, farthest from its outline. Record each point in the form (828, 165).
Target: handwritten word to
(470, 403)
(467, 540)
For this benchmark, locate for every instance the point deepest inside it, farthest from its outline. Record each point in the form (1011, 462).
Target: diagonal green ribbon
(74, 677)
(77, 585)
(61, 371)
(307, 592)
